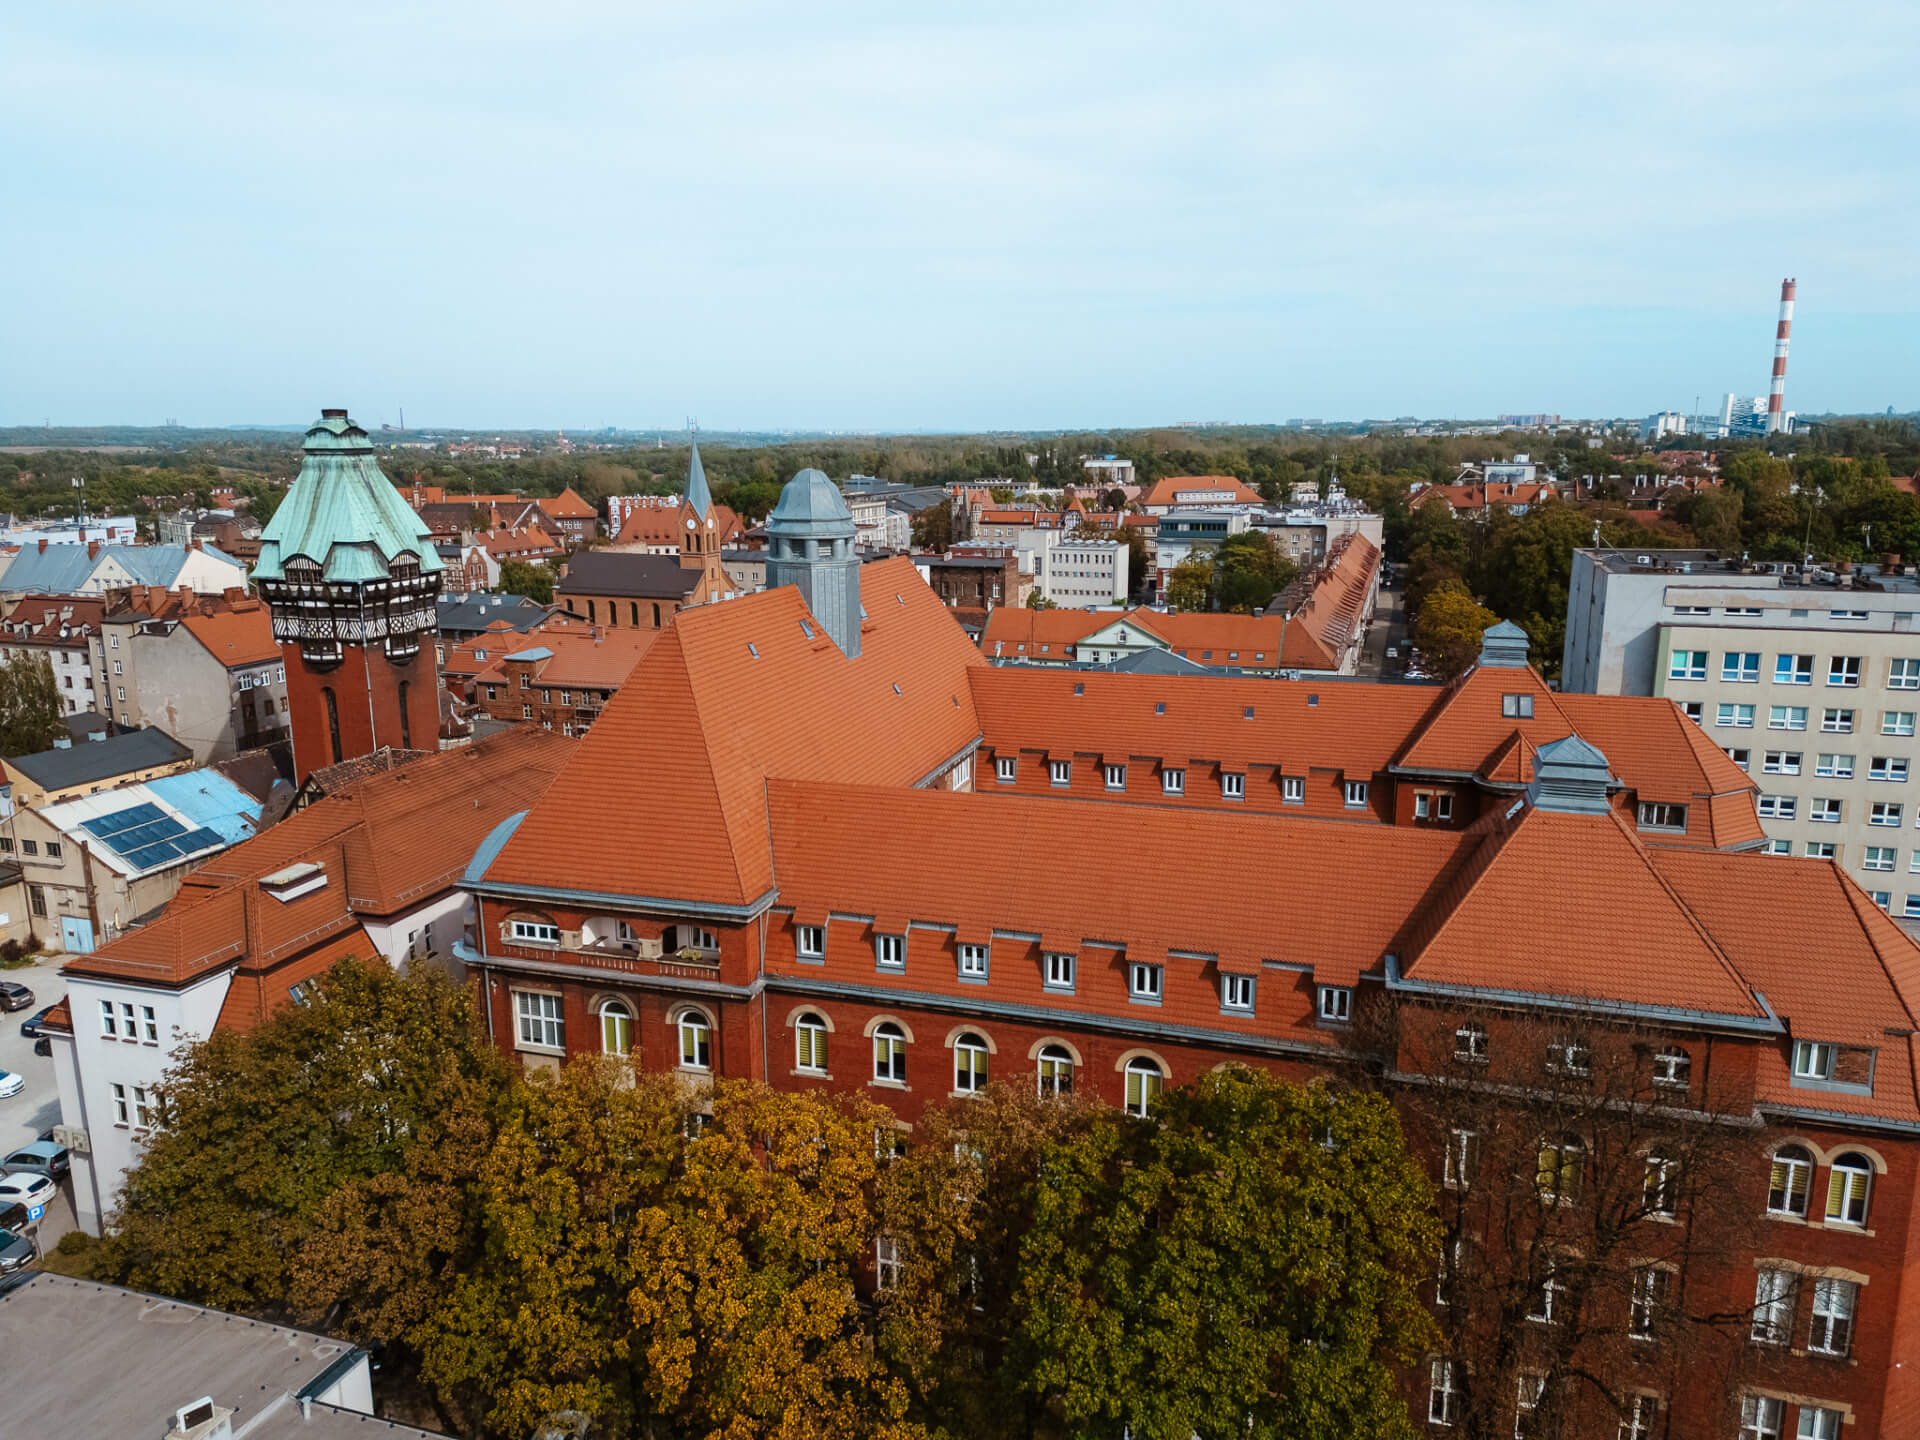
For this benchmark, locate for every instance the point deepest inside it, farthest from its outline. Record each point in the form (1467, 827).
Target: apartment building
(1812, 688)
(1078, 574)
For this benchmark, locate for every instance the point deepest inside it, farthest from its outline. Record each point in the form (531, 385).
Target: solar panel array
(146, 836)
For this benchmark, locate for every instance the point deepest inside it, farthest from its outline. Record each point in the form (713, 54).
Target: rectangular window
(886, 1263)
(1879, 857)
(1888, 767)
(1844, 671)
(812, 941)
(109, 1026)
(973, 961)
(1057, 970)
(1443, 1398)
(1832, 1330)
(1812, 1060)
(1837, 722)
(890, 951)
(145, 1111)
(1833, 766)
(1526, 1404)
(1232, 786)
(1687, 665)
(1336, 1004)
(1516, 707)
(30, 847)
(1694, 710)
(1786, 717)
(1356, 794)
(1741, 757)
(1116, 777)
(1462, 1159)
(1143, 981)
(150, 1025)
(1779, 847)
(1781, 762)
(1884, 812)
(1817, 1423)
(1651, 1286)
(1738, 716)
(1661, 816)
(1773, 1296)
(1897, 722)
(1004, 768)
(1293, 790)
(1759, 1417)
(120, 1104)
(1236, 993)
(1903, 674)
(1741, 667)
(1824, 810)
(1060, 772)
(54, 850)
(1173, 782)
(1776, 807)
(1882, 898)
(540, 1019)
(537, 931)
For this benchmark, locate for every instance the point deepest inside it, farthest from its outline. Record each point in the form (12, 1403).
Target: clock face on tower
(689, 522)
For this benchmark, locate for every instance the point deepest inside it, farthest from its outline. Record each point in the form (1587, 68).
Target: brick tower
(350, 575)
(700, 545)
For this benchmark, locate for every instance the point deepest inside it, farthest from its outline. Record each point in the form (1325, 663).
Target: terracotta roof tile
(1164, 492)
(567, 505)
(235, 637)
(1019, 631)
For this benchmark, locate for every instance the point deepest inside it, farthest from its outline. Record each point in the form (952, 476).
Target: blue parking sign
(36, 1211)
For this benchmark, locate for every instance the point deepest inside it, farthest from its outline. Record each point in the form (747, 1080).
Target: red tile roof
(1165, 492)
(567, 505)
(241, 636)
(1321, 625)
(580, 655)
(667, 524)
(387, 842)
(730, 696)
(1479, 497)
(1215, 639)
(1019, 631)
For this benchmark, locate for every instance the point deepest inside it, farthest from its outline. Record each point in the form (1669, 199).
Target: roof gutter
(500, 891)
(1767, 1024)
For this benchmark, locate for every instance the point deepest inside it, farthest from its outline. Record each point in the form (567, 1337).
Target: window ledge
(1144, 1000)
(810, 1074)
(879, 1084)
(532, 1049)
(972, 979)
(810, 959)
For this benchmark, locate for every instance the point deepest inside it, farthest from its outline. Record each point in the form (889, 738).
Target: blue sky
(950, 217)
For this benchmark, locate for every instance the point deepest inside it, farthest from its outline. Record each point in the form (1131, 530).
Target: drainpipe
(93, 909)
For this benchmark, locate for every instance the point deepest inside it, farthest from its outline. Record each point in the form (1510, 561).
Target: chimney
(43, 547)
(93, 549)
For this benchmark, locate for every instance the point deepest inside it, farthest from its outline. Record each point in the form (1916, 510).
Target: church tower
(700, 540)
(810, 544)
(350, 576)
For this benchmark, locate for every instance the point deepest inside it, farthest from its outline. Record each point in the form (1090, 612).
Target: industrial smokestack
(1777, 397)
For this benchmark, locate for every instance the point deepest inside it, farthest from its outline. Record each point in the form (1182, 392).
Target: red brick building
(908, 870)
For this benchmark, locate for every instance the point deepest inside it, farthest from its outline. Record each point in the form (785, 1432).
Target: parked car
(30, 1027)
(43, 1045)
(42, 1157)
(11, 1083)
(14, 995)
(14, 1217)
(26, 1188)
(16, 1251)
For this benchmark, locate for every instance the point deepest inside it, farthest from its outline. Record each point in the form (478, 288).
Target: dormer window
(1812, 1060)
(1516, 707)
(1060, 772)
(1005, 767)
(812, 942)
(1173, 782)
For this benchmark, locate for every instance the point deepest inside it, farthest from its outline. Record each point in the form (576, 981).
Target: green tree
(1190, 586)
(30, 718)
(1246, 1263)
(671, 1277)
(933, 527)
(1251, 570)
(321, 1163)
(523, 577)
(1447, 633)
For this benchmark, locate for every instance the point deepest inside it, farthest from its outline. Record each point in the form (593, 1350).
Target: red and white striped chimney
(1777, 397)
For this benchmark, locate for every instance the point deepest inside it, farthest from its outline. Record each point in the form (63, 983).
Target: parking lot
(36, 1109)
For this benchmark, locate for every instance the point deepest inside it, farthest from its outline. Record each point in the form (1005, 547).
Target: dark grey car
(14, 995)
(16, 1251)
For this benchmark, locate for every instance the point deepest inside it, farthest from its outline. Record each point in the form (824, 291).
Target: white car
(11, 1084)
(26, 1188)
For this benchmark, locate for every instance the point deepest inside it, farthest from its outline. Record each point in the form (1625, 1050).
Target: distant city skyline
(863, 219)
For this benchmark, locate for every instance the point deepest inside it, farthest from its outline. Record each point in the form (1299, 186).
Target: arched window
(616, 1028)
(969, 1064)
(633, 611)
(1056, 1071)
(1558, 1175)
(889, 1053)
(696, 1041)
(810, 1044)
(1145, 1080)
(1792, 1178)
(656, 617)
(590, 612)
(406, 725)
(333, 722)
(1847, 1185)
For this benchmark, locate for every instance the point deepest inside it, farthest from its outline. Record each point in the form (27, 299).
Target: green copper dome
(342, 513)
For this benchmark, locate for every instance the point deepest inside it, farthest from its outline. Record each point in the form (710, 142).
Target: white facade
(1662, 425)
(877, 524)
(104, 529)
(1109, 470)
(1081, 574)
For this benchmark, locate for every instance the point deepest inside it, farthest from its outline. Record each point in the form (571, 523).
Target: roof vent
(302, 878)
(1570, 777)
(1504, 646)
(63, 742)
(202, 1420)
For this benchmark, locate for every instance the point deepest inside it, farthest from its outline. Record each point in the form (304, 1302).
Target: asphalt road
(37, 1108)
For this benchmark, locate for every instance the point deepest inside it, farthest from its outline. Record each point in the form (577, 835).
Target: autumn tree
(1190, 586)
(933, 527)
(668, 1271)
(1251, 570)
(319, 1165)
(523, 577)
(1593, 1187)
(1446, 636)
(1245, 1262)
(30, 716)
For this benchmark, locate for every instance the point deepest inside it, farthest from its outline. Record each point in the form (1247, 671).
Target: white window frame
(1688, 665)
(1781, 762)
(533, 932)
(1849, 1192)
(1825, 810)
(540, 1020)
(1897, 722)
(1879, 857)
(1836, 720)
(1830, 1327)
(1885, 813)
(886, 1263)
(1116, 777)
(1293, 790)
(1443, 1400)
(1060, 773)
(1833, 765)
(1145, 1080)
(1760, 1417)
(1056, 970)
(1355, 794)
(1786, 717)
(1006, 769)
(1236, 993)
(1735, 715)
(973, 961)
(1461, 1160)
(1145, 981)
(1173, 782)
(1813, 1060)
(1903, 674)
(1843, 672)
(695, 1035)
(969, 1063)
(1470, 1043)
(1335, 1004)
(889, 1053)
(109, 1023)
(1790, 1178)
(809, 1043)
(1793, 669)
(1740, 667)
(1053, 1070)
(1890, 768)
(617, 1016)
(1233, 785)
(890, 952)
(810, 942)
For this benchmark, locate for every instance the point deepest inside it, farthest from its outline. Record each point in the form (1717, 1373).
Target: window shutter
(1836, 1194)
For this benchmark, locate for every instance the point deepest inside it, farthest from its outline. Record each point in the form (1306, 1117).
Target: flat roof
(99, 1360)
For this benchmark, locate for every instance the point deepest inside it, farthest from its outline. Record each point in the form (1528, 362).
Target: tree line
(704, 1260)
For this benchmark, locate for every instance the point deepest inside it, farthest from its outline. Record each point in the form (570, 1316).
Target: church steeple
(700, 537)
(698, 495)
